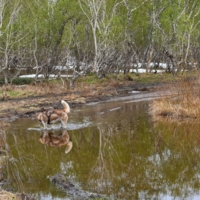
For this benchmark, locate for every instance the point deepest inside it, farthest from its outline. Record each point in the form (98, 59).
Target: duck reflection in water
(52, 139)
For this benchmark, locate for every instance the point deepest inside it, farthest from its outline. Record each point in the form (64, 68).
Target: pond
(118, 151)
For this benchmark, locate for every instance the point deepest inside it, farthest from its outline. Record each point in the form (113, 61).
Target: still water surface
(118, 150)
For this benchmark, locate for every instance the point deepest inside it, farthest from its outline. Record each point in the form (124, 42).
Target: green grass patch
(141, 78)
(90, 79)
(154, 78)
(56, 80)
(16, 93)
(13, 93)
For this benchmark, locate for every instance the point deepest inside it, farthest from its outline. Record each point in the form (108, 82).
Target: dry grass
(13, 91)
(46, 93)
(86, 87)
(183, 103)
(84, 83)
(4, 195)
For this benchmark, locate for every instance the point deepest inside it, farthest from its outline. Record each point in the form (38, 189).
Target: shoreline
(28, 107)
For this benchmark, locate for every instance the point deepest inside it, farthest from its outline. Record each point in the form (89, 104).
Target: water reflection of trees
(114, 167)
(177, 156)
(163, 162)
(125, 155)
(29, 162)
(101, 173)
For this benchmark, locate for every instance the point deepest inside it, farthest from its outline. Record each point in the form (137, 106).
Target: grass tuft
(183, 102)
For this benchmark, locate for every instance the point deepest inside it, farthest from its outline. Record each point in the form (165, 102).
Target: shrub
(1, 81)
(22, 81)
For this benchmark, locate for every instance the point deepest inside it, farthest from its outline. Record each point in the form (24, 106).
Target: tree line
(98, 36)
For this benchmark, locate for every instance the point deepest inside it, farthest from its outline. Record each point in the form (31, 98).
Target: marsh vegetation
(183, 103)
(92, 51)
(120, 153)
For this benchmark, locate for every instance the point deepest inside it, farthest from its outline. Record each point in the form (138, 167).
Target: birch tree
(100, 16)
(16, 34)
(176, 24)
(9, 12)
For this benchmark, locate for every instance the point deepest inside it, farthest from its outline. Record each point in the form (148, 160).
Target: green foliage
(18, 81)
(48, 31)
(22, 81)
(121, 77)
(91, 79)
(1, 81)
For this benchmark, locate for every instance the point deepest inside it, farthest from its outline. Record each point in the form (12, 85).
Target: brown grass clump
(4, 195)
(184, 101)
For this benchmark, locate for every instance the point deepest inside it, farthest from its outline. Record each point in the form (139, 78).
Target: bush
(22, 81)
(1, 81)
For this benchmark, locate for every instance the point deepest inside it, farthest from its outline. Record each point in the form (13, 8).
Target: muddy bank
(73, 189)
(12, 109)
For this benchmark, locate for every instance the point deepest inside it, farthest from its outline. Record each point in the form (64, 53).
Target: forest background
(97, 36)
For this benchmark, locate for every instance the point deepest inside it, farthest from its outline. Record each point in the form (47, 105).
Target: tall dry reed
(184, 101)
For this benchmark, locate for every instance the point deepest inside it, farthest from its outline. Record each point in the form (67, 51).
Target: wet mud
(72, 189)
(29, 107)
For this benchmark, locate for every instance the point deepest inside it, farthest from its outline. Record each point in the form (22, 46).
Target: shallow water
(117, 150)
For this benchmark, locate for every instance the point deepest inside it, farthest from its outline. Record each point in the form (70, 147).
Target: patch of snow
(163, 65)
(137, 65)
(42, 76)
(58, 67)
